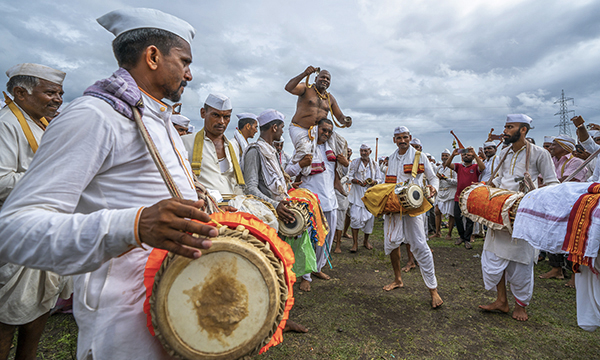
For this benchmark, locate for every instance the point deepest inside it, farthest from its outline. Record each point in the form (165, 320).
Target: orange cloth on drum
(258, 229)
(578, 228)
(381, 199)
(480, 204)
(317, 217)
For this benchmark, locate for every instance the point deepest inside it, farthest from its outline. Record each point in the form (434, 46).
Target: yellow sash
(197, 157)
(24, 125)
(415, 168)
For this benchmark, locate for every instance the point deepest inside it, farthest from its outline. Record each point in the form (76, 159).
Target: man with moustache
(26, 295)
(399, 228)
(504, 258)
(104, 203)
(213, 157)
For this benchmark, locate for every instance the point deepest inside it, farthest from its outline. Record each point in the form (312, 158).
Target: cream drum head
(300, 223)
(410, 196)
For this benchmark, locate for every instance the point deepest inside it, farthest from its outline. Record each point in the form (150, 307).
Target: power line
(564, 125)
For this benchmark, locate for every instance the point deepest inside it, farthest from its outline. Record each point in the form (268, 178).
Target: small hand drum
(410, 196)
(225, 304)
(300, 223)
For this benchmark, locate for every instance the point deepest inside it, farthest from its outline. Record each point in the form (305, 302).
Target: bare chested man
(314, 103)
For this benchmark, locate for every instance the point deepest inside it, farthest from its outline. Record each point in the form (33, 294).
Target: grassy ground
(351, 317)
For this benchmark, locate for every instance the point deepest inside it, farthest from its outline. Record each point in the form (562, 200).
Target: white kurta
(211, 174)
(445, 197)
(25, 294)
(360, 217)
(503, 248)
(588, 297)
(490, 167)
(398, 228)
(97, 175)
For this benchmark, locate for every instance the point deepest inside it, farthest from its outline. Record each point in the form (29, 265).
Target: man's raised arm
(294, 86)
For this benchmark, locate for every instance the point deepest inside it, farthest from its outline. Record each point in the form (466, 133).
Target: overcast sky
(432, 66)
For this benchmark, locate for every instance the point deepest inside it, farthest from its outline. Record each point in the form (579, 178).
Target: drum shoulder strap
(24, 125)
(415, 168)
(197, 153)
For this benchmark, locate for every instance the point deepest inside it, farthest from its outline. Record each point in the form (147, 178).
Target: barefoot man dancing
(400, 228)
(314, 103)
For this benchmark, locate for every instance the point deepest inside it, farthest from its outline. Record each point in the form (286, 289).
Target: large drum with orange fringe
(496, 208)
(231, 302)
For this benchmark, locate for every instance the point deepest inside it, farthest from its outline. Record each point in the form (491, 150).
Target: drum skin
(410, 196)
(299, 225)
(224, 305)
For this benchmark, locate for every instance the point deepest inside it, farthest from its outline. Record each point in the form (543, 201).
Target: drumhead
(219, 306)
(296, 227)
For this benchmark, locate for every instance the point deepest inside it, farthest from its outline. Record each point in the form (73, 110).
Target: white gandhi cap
(120, 21)
(39, 71)
(269, 115)
(218, 101)
(518, 118)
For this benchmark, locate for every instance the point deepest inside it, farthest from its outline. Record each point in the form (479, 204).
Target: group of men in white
(92, 199)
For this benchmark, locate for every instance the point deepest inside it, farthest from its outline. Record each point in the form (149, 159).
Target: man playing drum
(506, 259)
(400, 228)
(95, 210)
(322, 185)
(214, 159)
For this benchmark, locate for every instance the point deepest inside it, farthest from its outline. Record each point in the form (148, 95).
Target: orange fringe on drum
(578, 227)
(318, 220)
(258, 229)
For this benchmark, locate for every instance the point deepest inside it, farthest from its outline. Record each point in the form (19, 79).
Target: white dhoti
(361, 218)
(26, 294)
(588, 298)
(343, 205)
(322, 252)
(520, 276)
(398, 229)
(446, 207)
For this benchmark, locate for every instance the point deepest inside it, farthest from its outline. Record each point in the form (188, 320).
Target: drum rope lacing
(243, 234)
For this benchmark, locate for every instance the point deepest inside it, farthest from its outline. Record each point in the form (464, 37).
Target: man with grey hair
(104, 196)
(26, 295)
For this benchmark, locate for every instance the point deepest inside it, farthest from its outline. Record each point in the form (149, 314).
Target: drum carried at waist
(231, 301)
(392, 198)
(496, 208)
(300, 223)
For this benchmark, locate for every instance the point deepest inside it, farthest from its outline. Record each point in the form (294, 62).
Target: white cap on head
(489, 143)
(428, 155)
(415, 141)
(180, 120)
(269, 115)
(518, 118)
(191, 129)
(400, 130)
(241, 116)
(548, 139)
(566, 142)
(120, 21)
(39, 71)
(594, 133)
(446, 151)
(365, 147)
(218, 101)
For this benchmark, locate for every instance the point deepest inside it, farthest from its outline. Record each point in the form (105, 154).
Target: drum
(257, 207)
(224, 305)
(300, 223)
(410, 196)
(496, 208)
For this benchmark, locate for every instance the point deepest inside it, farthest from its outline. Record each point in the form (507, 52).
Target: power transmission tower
(564, 126)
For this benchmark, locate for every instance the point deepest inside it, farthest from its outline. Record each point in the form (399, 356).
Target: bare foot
(555, 273)
(295, 327)
(321, 275)
(347, 236)
(448, 237)
(496, 306)
(436, 235)
(436, 300)
(367, 245)
(338, 249)
(519, 313)
(409, 267)
(305, 285)
(395, 284)
(571, 282)
(354, 248)
(472, 239)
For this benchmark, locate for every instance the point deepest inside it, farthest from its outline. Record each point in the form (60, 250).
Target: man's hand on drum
(432, 190)
(284, 213)
(168, 225)
(359, 182)
(305, 161)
